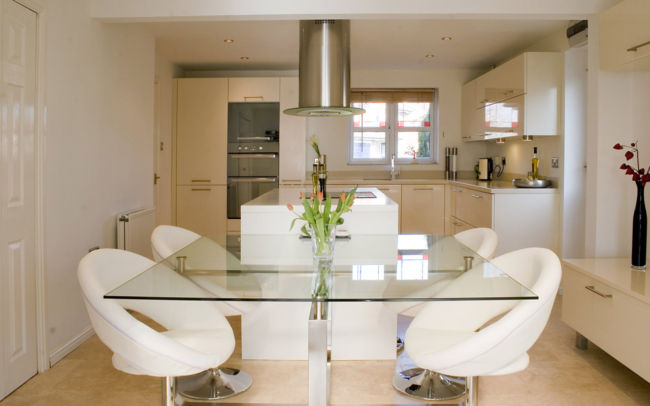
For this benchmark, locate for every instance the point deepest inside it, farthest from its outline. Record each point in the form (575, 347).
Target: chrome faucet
(394, 170)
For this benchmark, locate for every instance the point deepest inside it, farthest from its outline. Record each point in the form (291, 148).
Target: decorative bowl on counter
(531, 183)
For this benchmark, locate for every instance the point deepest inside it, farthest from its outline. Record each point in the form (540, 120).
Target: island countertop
(278, 198)
(268, 213)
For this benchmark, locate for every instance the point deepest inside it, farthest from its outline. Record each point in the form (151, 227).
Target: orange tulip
(302, 195)
(289, 206)
(320, 195)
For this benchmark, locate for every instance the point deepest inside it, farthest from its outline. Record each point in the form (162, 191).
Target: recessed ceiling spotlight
(429, 55)
(446, 38)
(228, 41)
(244, 58)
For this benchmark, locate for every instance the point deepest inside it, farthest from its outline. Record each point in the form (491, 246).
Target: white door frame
(39, 158)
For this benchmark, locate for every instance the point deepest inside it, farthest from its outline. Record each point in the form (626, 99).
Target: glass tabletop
(367, 268)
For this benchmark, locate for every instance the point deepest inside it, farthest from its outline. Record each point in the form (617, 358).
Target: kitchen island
(279, 330)
(372, 213)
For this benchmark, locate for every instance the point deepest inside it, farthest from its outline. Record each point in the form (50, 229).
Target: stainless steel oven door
(245, 189)
(255, 164)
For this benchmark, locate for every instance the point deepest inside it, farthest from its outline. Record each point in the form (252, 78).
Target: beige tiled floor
(559, 374)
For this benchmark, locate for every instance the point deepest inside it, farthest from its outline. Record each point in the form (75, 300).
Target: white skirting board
(71, 345)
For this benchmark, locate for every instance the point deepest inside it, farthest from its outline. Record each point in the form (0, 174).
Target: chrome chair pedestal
(429, 385)
(213, 384)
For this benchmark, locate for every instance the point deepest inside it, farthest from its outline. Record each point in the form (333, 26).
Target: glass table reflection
(372, 274)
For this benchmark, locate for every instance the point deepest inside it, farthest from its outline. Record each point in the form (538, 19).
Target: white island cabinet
(268, 214)
(278, 331)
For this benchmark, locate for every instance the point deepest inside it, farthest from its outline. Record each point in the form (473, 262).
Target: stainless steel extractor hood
(324, 69)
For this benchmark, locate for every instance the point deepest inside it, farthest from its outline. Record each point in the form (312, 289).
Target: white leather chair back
(150, 352)
(500, 344)
(165, 240)
(481, 240)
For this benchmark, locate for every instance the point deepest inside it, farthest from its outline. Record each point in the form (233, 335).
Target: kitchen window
(397, 121)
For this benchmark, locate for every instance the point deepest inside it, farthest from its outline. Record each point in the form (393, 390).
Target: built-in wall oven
(253, 152)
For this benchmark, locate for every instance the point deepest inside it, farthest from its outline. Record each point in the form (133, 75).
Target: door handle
(592, 288)
(155, 178)
(260, 179)
(252, 156)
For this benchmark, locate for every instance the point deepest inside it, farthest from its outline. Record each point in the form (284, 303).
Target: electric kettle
(485, 168)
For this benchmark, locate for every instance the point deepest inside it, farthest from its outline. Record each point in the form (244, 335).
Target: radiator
(134, 229)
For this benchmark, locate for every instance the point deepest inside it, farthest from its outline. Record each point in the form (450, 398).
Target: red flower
(635, 177)
(642, 171)
(618, 146)
(624, 166)
(646, 177)
(629, 171)
(629, 155)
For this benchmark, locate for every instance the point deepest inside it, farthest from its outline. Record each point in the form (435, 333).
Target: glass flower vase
(639, 230)
(323, 256)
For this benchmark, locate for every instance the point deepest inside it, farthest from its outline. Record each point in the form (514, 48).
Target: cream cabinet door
(502, 83)
(292, 135)
(254, 90)
(202, 209)
(201, 131)
(472, 207)
(423, 209)
(624, 36)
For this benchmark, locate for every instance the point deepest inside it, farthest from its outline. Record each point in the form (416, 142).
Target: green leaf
(304, 230)
(292, 223)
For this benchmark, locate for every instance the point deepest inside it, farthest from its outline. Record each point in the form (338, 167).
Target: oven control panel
(253, 147)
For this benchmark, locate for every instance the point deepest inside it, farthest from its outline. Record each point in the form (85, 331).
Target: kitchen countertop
(278, 198)
(497, 186)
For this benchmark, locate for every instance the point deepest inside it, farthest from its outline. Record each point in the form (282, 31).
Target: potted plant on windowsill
(321, 221)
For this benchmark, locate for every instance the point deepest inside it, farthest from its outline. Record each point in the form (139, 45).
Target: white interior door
(17, 196)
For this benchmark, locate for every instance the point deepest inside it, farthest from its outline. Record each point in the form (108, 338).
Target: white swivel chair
(483, 241)
(165, 241)
(452, 338)
(198, 336)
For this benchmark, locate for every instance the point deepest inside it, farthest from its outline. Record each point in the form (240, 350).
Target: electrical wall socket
(555, 162)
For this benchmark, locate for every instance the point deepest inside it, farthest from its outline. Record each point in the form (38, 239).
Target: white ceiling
(273, 45)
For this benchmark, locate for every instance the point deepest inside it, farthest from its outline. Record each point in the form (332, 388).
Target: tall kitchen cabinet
(624, 40)
(292, 135)
(200, 150)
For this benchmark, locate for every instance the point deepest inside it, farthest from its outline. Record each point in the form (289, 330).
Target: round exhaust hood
(324, 70)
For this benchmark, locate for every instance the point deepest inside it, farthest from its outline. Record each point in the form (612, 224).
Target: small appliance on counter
(485, 169)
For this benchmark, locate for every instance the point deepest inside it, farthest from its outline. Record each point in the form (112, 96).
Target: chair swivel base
(429, 385)
(213, 384)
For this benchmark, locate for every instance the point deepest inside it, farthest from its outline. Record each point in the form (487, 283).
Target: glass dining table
(396, 271)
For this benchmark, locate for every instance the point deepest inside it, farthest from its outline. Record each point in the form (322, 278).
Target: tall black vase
(639, 230)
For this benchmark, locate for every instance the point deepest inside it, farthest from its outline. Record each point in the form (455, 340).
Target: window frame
(392, 131)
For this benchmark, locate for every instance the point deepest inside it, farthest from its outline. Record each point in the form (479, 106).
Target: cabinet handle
(200, 190)
(477, 196)
(423, 188)
(383, 189)
(635, 48)
(458, 191)
(292, 180)
(591, 288)
(246, 98)
(201, 180)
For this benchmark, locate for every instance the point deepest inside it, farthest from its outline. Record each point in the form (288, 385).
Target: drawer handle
(201, 180)
(292, 180)
(635, 48)
(423, 188)
(458, 191)
(477, 196)
(253, 98)
(591, 288)
(200, 190)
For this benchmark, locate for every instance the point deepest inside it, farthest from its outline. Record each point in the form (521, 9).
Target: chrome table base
(428, 385)
(213, 384)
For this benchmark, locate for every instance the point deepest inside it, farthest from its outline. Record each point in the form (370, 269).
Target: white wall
(98, 152)
(333, 132)
(623, 105)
